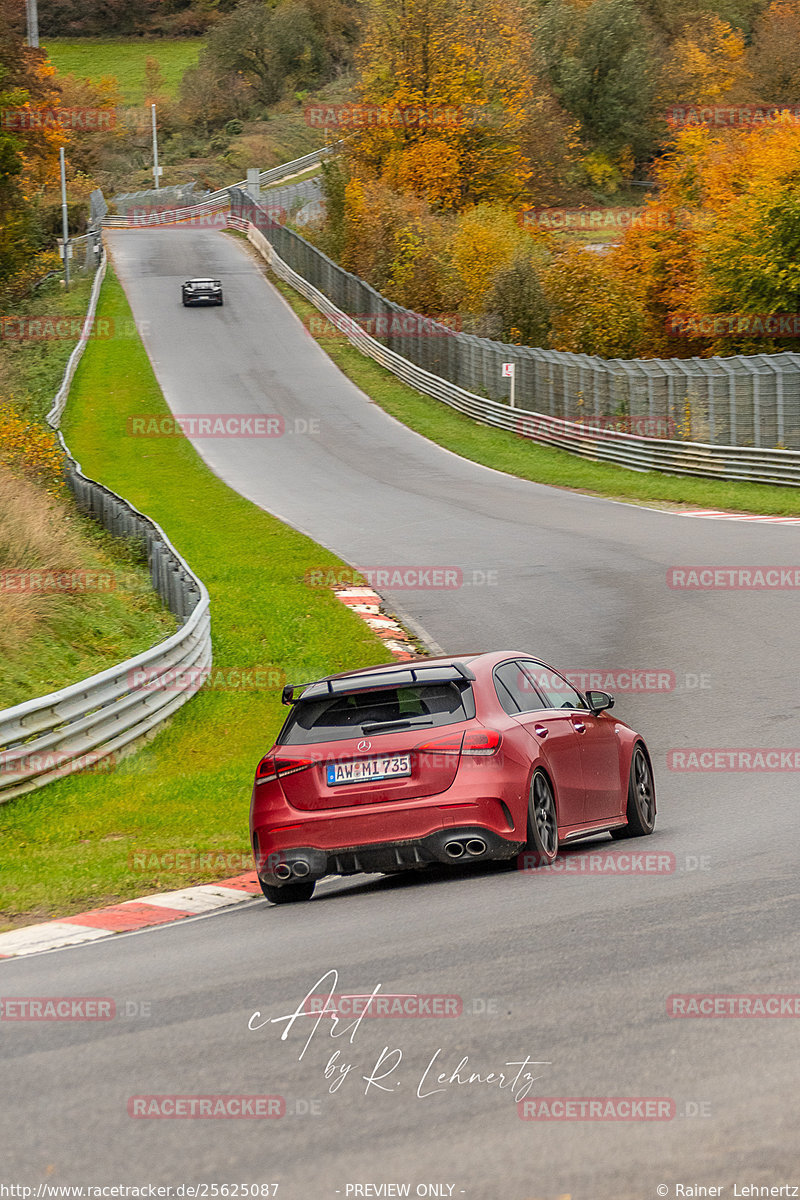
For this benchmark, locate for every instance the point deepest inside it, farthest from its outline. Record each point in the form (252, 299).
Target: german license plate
(364, 770)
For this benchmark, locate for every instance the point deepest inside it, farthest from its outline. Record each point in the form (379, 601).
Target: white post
(509, 373)
(156, 168)
(32, 13)
(64, 218)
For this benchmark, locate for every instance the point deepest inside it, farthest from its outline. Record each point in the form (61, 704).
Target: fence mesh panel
(737, 401)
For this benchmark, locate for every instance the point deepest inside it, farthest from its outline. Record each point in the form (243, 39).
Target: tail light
(271, 767)
(481, 741)
(474, 741)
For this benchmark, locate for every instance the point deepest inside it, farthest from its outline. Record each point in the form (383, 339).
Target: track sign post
(508, 373)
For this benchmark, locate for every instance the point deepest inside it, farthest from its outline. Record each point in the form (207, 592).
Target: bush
(593, 309)
(30, 449)
(519, 299)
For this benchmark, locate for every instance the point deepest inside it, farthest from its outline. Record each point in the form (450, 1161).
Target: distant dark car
(201, 291)
(442, 760)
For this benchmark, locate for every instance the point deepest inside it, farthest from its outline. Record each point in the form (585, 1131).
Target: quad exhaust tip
(476, 846)
(286, 870)
(471, 846)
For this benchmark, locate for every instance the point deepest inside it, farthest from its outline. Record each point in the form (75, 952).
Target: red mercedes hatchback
(441, 760)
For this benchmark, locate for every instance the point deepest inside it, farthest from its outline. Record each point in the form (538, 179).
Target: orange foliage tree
(773, 58)
(731, 240)
(705, 62)
(459, 72)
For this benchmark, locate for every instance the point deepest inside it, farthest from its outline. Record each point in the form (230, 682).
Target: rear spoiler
(400, 676)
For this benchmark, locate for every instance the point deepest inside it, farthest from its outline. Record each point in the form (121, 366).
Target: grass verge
(542, 464)
(176, 811)
(75, 601)
(31, 368)
(125, 58)
(82, 623)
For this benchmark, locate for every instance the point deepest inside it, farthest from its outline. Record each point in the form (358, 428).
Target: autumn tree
(487, 239)
(206, 100)
(750, 260)
(88, 147)
(517, 296)
(395, 243)
(732, 245)
(705, 62)
(773, 59)
(281, 45)
(451, 88)
(593, 309)
(96, 18)
(601, 61)
(670, 16)
(28, 152)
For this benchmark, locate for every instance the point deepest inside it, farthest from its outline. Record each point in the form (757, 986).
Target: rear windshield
(336, 718)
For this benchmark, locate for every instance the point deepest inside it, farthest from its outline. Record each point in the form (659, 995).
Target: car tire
(289, 893)
(541, 847)
(641, 811)
(220, 302)
(185, 305)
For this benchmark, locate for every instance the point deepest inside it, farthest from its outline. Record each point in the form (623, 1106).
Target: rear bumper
(461, 844)
(211, 298)
(389, 834)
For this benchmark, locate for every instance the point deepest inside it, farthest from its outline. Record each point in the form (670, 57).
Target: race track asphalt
(572, 970)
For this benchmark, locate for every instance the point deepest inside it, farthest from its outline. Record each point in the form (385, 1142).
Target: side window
(555, 689)
(515, 690)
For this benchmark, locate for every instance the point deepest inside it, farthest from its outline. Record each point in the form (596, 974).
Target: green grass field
(125, 59)
(79, 842)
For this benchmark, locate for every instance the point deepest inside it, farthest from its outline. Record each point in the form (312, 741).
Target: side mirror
(599, 701)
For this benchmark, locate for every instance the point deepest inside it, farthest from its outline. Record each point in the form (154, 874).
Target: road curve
(573, 970)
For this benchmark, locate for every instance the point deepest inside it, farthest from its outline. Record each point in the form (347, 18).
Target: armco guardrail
(588, 438)
(72, 729)
(220, 200)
